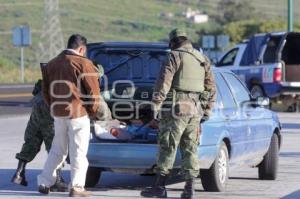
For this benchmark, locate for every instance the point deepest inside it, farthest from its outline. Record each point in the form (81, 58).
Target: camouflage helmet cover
(177, 33)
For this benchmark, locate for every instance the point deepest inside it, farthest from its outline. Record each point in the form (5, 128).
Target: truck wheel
(257, 91)
(215, 178)
(267, 169)
(92, 176)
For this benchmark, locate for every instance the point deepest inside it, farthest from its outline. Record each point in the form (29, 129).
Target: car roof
(135, 45)
(141, 45)
(221, 70)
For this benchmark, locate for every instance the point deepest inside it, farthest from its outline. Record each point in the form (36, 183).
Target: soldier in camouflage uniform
(185, 89)
(39, 129)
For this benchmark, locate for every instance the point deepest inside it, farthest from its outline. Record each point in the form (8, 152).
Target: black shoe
(189, 189)
(19, 176)
(155, 192)
(60, 185)
(43, 189)
(158, 190)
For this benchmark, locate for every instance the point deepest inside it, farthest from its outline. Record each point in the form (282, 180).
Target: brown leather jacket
(70, 86)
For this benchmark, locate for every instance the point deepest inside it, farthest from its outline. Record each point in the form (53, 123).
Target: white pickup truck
(269, 63)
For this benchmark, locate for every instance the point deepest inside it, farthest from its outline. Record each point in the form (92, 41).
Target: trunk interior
(291, 57)
(131, 106)
(130, 74)
(135, 131)
(285, 48)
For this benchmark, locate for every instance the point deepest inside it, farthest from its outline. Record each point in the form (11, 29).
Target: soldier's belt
(183, 95)
(204, 96)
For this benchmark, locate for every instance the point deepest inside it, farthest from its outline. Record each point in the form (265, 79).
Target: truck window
(229, 58)
(270, 55)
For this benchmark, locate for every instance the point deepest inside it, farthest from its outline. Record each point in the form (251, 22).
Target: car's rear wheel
(267, 169)
(257, 91)
(215, 178)
(93, 175)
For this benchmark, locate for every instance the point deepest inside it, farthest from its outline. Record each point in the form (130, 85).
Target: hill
(102, 20)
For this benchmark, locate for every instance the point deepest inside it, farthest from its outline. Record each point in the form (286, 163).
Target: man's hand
(153, 124)
(204, 119)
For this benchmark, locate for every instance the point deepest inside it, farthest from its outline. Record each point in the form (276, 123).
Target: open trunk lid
(290, 55)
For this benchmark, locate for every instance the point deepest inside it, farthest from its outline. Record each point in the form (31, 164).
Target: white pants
(70, 135)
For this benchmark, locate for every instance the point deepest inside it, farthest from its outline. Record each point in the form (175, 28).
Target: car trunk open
(128, 83)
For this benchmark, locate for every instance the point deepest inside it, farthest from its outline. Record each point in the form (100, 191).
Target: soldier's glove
(153, 124)
(37, 87)
(204, 119)
(156, 108)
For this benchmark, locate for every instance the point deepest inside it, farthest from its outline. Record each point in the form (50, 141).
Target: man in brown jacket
(71, 89)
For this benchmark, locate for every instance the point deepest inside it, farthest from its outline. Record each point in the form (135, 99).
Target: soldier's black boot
(60, 185)
(189, 189)
(158, 190)
(19, 176)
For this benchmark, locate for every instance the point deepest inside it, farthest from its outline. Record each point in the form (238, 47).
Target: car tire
(215, 178)
(93, 175)
(257, 91)
(267, 169)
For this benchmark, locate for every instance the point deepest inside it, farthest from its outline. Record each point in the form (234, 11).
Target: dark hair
(76, 40)
(178, 42)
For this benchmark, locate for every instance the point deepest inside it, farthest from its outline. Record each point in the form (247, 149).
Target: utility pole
(290, 15)
(51, 40)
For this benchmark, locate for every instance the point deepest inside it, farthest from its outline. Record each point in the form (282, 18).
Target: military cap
(177, 33)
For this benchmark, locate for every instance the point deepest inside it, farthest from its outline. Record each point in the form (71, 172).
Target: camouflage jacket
(37, 94)
(165, 78)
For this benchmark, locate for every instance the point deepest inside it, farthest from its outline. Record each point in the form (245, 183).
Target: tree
(244, 29)
(233, 10)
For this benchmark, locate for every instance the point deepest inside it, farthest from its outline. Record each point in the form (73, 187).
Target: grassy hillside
(102, 20)
(272, 9)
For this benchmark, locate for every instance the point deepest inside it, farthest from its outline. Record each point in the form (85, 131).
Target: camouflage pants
(39, 129)
(182, 132)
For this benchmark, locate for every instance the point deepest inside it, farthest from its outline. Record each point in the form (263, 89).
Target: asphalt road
(15, 99)
(243, 183)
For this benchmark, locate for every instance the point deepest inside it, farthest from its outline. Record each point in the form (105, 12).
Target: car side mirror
(262, 101)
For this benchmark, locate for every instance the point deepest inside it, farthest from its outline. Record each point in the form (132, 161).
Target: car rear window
(130, 65)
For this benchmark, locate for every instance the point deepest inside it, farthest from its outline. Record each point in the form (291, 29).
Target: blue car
(240, 130)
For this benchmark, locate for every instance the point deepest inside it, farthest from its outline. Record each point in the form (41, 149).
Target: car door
(253, 117)
(234, 123)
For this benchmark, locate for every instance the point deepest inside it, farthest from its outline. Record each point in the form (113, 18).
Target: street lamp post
(21, 38)
(290, 15)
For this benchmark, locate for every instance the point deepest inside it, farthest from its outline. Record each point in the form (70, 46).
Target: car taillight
(277, 74)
